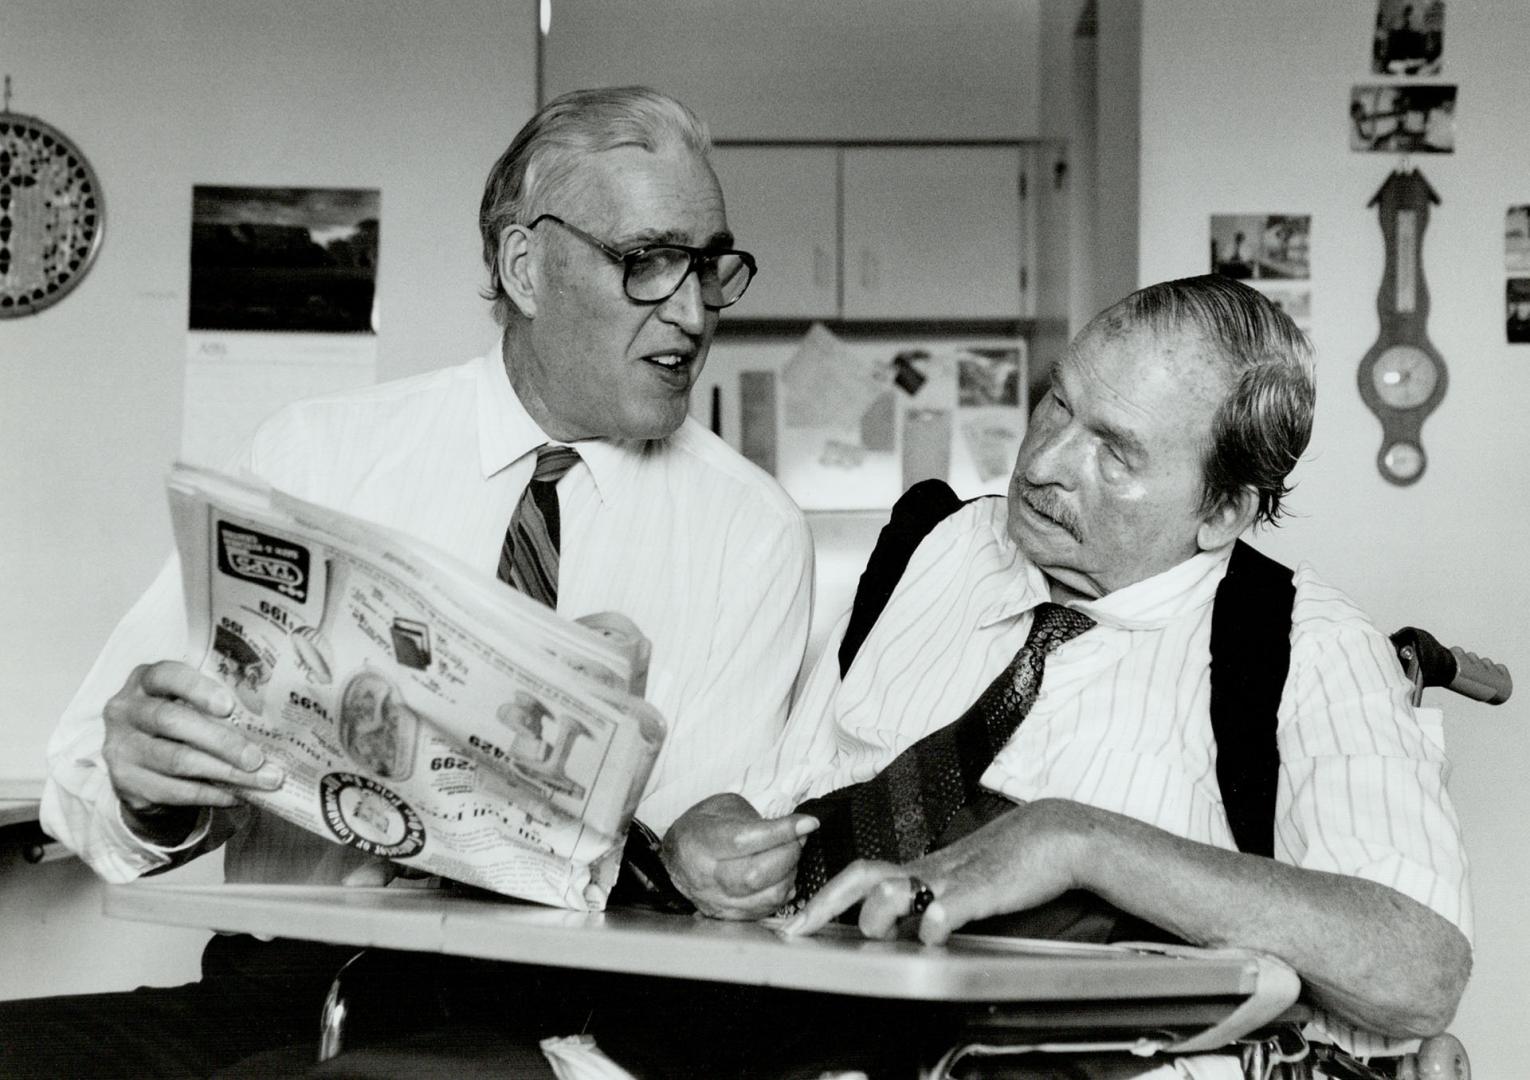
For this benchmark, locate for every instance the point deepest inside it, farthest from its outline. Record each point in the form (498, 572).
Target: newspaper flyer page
(422, 711)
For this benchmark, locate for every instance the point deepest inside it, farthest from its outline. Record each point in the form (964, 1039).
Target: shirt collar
(507, 433)
(1147, 604)
(1158, 600)
(1025, 588)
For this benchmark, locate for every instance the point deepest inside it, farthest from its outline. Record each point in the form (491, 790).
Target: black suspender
(917, 511)
(1250, 656)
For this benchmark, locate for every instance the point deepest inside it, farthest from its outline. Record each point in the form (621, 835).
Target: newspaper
(422, 711)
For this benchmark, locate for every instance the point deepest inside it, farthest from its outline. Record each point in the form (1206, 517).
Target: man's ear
(1228, 521)
(517, 270)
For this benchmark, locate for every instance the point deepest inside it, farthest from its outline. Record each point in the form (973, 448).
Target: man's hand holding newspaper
(422, 711)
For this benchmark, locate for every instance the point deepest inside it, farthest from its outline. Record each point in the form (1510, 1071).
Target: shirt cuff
(165, 853)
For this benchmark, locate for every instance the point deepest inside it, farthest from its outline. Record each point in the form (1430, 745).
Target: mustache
(1050, 505)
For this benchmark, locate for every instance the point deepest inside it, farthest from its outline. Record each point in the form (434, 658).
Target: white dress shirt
(701, 549)
(1123, 719)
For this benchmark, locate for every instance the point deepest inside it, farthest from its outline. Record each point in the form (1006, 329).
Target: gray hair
(1262, 427)
(542, 161)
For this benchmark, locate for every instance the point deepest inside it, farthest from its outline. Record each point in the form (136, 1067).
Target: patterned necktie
(528, 559)
(905, 810)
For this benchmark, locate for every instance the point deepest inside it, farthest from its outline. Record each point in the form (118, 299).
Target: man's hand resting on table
(1016, 862)
(732, 863)
(169, 751)
(1365, 952)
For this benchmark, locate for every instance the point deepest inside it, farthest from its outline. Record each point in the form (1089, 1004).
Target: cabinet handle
(820, 266)
(870, 270)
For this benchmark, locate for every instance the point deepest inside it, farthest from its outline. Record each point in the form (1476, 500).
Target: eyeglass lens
(656, 274)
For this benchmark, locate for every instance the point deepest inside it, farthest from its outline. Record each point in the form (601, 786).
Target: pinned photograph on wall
(1292, 297)
(1409, 37)
(1235, 244)
(1269, 252)
(988, 377)
(1517, 314)
(990, 419)
(1412, 119)
(1516, 240)
(265, 258)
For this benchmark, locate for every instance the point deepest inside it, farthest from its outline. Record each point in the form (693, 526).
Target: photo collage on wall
(1269, 252)
(860, 421)
(1516, 251)
(1405, 117)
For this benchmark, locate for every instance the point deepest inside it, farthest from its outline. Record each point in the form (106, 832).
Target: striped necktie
(528, 559)
(909, 808)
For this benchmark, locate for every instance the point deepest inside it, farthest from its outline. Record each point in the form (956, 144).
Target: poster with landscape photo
(284, 259)
(282, 306)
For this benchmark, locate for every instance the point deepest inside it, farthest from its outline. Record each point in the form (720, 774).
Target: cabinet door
(934, 232)
(783, 207)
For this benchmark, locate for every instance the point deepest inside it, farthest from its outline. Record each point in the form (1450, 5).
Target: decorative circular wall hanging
(52, 214)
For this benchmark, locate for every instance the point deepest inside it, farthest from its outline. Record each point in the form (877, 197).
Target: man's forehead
(1132, 374)
(1140, 345)
(652, 197)
(1113, 340)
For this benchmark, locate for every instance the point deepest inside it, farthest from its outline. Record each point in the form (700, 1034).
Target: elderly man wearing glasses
(609, 259)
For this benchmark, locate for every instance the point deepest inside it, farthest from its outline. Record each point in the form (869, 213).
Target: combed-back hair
(541, 163)
(1262, 427)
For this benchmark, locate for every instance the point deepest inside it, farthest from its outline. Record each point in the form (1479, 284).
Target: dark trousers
(255, 1013)
(253, 996)
(656, 1028)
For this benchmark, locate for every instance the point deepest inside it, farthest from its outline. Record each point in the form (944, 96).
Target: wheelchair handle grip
(1481, 678)
(1431, 664)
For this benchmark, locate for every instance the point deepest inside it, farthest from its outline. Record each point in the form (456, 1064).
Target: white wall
(1117, 89)
(1244, 109)
(416, 99)
(809, 69)
(161, 95)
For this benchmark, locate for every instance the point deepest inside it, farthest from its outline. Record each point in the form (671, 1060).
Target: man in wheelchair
(1211, 745)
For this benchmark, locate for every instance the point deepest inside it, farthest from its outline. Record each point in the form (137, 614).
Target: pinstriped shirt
(701, 549)
(1123, 718)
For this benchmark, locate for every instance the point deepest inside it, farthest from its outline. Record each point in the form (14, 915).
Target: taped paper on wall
(861, 422)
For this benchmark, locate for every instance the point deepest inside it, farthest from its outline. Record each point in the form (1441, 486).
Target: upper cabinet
(782, 204)
(815, 69)
(934, 232)
(882, 232)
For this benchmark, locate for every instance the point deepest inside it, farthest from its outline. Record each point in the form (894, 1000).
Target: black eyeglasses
(654, 273)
